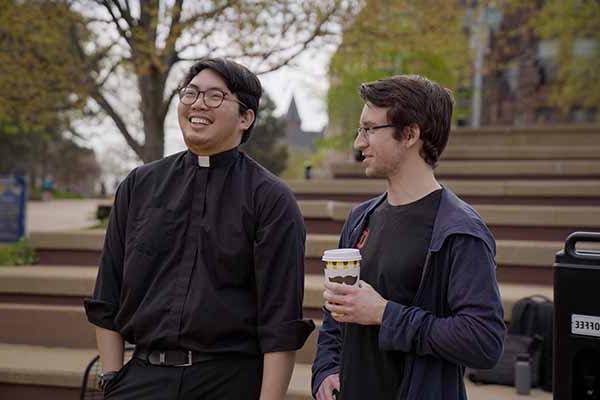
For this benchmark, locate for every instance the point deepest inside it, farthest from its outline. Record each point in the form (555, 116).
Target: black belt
(173, 358)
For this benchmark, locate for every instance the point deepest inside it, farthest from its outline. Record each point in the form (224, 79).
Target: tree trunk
(152, 88)
(154, 148)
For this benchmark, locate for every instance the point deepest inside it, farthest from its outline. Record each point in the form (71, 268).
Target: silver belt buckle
(189, 361)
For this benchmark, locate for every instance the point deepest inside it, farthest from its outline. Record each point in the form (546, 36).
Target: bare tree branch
(126, 13)
(128, 7)
(174, 32)
(188, 46)
(167, 102)
(304, 45)
(123, 33)
(109, 73)
(96, 19)
(209, 14)
(75, 132)
(105, 105)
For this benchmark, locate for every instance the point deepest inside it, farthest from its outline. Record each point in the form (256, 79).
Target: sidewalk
(60, 215)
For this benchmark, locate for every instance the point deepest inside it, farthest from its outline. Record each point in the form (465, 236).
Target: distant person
(47, 188)
(203, 264)
(102, 189)
(427, 305)
(116, 184)
(307, 170)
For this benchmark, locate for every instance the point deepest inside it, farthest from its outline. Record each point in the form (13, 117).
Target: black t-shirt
(393, 256)
(203, 257)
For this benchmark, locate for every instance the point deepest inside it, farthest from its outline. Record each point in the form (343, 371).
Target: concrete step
(510, 252)
(70, 247)
(519, 261)
(300, 389)
(67, 327)
(507, 187)
(35, 372)
(46, 325)
(534, 136)
(519, 152)
(492, 169)
(510, 293)
(29, 321)
(48, 280)
(527, 254)
(25, 373)
(475, 191)
(517, 222)
(524, 143)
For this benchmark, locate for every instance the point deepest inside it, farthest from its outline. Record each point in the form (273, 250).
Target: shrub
(19, 253)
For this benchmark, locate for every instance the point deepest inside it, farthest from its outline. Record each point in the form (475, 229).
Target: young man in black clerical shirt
(427, 304)
(203, 263)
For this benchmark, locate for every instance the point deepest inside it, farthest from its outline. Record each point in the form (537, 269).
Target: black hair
(239, 80)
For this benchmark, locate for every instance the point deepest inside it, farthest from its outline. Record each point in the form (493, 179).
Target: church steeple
(292, 113)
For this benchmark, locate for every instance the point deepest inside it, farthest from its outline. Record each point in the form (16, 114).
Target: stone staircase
(532, 187)
(46, 341)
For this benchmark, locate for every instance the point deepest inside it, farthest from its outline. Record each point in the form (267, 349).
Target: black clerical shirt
(207, 258)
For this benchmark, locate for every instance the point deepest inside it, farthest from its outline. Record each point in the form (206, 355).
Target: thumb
(363, 284)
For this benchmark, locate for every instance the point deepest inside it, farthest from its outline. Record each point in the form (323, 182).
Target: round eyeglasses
(212, 98)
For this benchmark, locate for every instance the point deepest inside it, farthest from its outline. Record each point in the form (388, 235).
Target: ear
(247, 119)
(412, 134)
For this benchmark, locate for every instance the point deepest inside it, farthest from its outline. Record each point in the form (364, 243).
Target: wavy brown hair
(413, 99)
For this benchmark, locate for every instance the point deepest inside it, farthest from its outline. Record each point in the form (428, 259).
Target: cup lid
(342, 255)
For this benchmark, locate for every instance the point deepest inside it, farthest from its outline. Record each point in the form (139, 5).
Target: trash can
(577, 320)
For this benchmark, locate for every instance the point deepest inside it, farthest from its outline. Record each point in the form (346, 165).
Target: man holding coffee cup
(427, 304)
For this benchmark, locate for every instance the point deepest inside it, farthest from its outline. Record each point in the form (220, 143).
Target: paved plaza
(61, 215)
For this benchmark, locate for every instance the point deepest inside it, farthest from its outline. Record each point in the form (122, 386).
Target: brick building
(520, 71)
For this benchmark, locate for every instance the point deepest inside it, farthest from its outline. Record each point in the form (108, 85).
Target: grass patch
(19, 253)
(102, 224)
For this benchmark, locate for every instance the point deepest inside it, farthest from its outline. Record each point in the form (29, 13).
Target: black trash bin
(577, 320)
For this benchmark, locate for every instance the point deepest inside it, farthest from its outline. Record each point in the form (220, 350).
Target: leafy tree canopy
(389, 38)
(265, 142)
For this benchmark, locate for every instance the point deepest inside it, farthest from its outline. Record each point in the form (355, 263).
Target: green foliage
(567, 22)
(389, 38)
(42, 76)
(62, 194)
(19, 253)
(140, 42)
(295, 164)
(43, 86)
(264, 144)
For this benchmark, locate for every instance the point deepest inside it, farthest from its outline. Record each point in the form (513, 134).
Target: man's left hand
(355, 304)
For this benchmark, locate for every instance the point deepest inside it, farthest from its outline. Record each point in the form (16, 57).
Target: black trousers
(221, 379)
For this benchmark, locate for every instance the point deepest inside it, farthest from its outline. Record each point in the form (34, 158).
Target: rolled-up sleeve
(279, 273)
(103, 306)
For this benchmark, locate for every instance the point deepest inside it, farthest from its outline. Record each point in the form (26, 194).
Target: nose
(199, 104)
(360, 143)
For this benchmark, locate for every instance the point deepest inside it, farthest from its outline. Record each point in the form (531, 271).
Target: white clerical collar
(204, 161)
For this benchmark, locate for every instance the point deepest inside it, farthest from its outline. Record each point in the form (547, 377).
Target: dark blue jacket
(456, 319)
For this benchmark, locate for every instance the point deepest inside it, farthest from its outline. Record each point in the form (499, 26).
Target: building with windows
(521, 69)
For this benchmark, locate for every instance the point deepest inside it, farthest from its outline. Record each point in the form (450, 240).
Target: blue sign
(13, 201)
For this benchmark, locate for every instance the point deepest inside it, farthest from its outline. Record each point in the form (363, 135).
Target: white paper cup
(342, 266)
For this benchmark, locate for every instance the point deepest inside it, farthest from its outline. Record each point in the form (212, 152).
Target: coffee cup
(342, 266)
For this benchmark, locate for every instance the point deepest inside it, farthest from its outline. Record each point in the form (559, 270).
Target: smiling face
(208, 131)
(384, 155)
